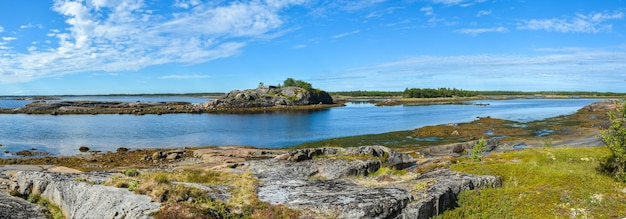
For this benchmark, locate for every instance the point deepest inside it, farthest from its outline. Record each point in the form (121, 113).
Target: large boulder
(82, 200)
(270, 96)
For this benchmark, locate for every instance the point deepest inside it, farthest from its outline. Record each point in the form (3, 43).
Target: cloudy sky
(183, 46)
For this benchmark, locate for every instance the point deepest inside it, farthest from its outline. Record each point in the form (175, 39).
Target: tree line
(435, 93)
(447, 92)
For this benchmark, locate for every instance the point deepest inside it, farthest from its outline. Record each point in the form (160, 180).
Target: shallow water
(64, 134)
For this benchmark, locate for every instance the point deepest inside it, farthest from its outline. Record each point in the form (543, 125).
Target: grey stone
(17, 208)
(270, 96)
(82, 200)
(323, 187)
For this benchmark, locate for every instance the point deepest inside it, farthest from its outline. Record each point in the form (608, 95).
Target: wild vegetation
(542, 183)
(450, 92)
(362, 93)
(436, 93)
(615, 139)
(290, 82)
(181, 201)
(485, 127)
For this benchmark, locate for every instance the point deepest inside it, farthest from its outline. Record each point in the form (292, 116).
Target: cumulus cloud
(9, 38)
(127, 35)
(341, 35)
(580, 23)
(476, 31)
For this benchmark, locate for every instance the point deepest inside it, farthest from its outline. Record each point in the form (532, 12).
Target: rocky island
(295, 96)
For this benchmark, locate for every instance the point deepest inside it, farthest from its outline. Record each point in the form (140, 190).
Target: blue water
(62, 135)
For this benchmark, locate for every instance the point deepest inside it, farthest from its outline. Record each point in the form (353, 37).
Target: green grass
(52, 211)
(543, 183)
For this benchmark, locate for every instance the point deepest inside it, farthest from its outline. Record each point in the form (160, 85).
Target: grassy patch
(388, 171)
(52, 211)
(187, 202)
(543, 183)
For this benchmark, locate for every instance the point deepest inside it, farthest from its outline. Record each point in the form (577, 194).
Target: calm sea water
(62, 135)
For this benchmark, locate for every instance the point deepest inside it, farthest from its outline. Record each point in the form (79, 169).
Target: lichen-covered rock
(387, 156)
(316, 186)
(82, 200)
(326, 187)
(442, 194)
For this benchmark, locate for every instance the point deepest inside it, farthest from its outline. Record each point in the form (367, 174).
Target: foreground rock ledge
(320, 182)
(328, 188)
(82, 200)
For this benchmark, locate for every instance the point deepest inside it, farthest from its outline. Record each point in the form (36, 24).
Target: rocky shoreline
(259, 100)
(321, 182)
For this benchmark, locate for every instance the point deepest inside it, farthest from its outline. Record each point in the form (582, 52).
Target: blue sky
(185, 46)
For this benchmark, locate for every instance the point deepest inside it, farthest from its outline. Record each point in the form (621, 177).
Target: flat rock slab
(13, 207)
(11, 169)
(17, 168)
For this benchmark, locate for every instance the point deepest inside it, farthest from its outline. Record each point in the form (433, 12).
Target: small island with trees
(292, 95)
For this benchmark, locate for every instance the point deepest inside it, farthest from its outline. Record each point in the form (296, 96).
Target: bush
(290, 82)
(131, 172)
(161, 178)
(615, 139)
(478, 150)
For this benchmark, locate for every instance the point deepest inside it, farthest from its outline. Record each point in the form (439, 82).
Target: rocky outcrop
(17, 208)
(82, 200)
(270, 96)
(441, 195)
(386, 155)
(457, 149)
(322, 186)
(105, 107)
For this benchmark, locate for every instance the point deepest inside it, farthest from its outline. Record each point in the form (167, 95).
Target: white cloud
(483, 13)
(428, 11)
(1, 29)
(341, 35)
(476, 31)
(9, 38)
(299, 46)
(448, 2)
(461, 3)
(186, 3)
(358, 5)
(579, 69)
(127, 35)
(581, 23)
(196, 76)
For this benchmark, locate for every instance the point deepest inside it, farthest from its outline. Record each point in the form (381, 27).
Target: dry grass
(186, 202)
